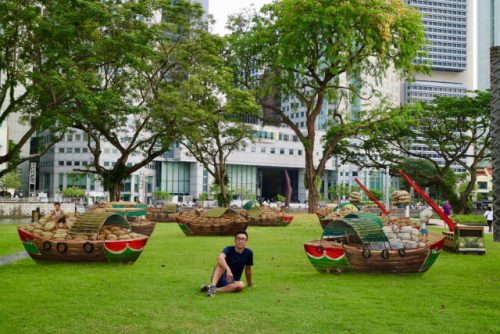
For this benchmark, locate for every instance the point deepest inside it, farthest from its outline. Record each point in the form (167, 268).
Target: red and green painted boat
(263, 216)
(124, 251)
(358, 244)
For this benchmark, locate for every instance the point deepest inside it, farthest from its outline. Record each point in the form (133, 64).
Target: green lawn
(159, 293)
(9, 240)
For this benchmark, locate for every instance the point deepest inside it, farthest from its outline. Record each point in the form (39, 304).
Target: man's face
(57, 206)
(240, 240)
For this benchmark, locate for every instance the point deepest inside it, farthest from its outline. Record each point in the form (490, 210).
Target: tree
(325, 53)
(37, 41)
(455, 129)
(73, 192)
(132, 90)
(165, 195)
(10, 180)
(221, 109)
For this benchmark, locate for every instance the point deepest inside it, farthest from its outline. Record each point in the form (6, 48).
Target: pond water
(24, 220)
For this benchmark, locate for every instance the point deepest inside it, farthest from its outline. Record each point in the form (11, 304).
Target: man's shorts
(423, 230)
(223, 281)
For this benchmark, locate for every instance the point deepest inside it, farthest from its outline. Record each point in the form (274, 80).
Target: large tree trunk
(310, 178)
(115, 192)
(495, 131)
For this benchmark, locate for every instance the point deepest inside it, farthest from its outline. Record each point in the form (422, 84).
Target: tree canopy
(325, 54)
(430, 139)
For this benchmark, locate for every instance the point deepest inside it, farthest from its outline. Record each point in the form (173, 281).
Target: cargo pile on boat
(47, 229)
(406, 236)
(355, 197)
(266, 216)
(218, 221)
(400, 197)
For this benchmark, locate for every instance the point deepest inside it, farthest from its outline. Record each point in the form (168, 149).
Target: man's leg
(232, 287)
(217, 274)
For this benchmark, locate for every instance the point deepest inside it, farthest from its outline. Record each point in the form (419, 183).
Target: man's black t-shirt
(237, 261)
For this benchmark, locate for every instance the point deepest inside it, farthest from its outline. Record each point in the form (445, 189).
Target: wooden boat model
(135, 217)
(218, 221)
(92, 249)
(166, 214)
(265, 216)
(358, 244)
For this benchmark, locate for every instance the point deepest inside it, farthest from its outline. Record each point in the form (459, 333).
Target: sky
(220, 9)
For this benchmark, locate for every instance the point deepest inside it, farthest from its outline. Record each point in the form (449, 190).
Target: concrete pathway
(13, 257)
(440, 222)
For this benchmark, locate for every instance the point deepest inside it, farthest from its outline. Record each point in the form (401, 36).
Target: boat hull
(42, 249)
(333, 257)
(192, 229)
(160, 216)
(281, 221)
(146, 229)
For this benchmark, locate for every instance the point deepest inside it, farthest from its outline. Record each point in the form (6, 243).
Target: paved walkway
(13, 257)
(440, 222)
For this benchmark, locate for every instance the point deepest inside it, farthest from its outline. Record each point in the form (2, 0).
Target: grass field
(159, 293)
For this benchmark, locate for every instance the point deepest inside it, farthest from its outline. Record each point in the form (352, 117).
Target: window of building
(69, 137)
(69, 163)
(78, 137)
(299, 152)
(483, 185)
(106, 163)
(77, 163)
(254, 149)
(61, 163)
(290, 151)
(282, 151)
(262, 150)
(85, 150)
(273, 150)
(77, 150)
(106, 150)
(69, 150)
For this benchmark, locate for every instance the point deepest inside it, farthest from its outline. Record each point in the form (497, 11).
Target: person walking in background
(447, 208)
(489, 217)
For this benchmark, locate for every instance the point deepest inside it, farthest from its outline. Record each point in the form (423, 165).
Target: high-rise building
(449, 31)
(487, 35)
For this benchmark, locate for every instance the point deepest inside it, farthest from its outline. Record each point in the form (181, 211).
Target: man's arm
(248, 275)
(221, 260)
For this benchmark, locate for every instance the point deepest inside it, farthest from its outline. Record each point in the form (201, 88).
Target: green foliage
(377, 193)
(73, 192)
(457, 129)
(305, 49)
(280, 198)
(470, 219)
(203, 196)
(165, 195)
(341, 190)
(10, 180)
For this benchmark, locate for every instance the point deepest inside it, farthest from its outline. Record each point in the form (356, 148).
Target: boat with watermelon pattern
(357, 243)
(92, 250)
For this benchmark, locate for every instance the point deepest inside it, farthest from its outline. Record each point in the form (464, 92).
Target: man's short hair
(57, 203)
(241, 232)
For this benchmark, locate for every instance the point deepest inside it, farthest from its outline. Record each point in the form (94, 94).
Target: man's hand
(229, 275)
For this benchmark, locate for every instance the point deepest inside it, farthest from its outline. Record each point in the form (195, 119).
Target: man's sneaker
(204, 288)
(211, 291)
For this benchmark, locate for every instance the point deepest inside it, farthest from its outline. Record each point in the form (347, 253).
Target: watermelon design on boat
(28, 242)
(327, 259)
(124, 251)
(435, 250)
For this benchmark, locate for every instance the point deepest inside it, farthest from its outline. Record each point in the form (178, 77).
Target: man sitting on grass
(230, 264)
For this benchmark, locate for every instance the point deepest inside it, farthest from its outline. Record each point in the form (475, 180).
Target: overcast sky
(220, 9)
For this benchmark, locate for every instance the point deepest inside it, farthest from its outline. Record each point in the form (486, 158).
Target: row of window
(452, 51)
(442, 11)
(73, 150)
(444, 24)
(446, 18)
(445, 37)
(437, 89)
(459, 5)
(443, 57)
(453, 32)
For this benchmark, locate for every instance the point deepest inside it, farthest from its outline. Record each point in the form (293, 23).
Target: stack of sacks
(406, 237)
(355, 197)
(400, 197)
